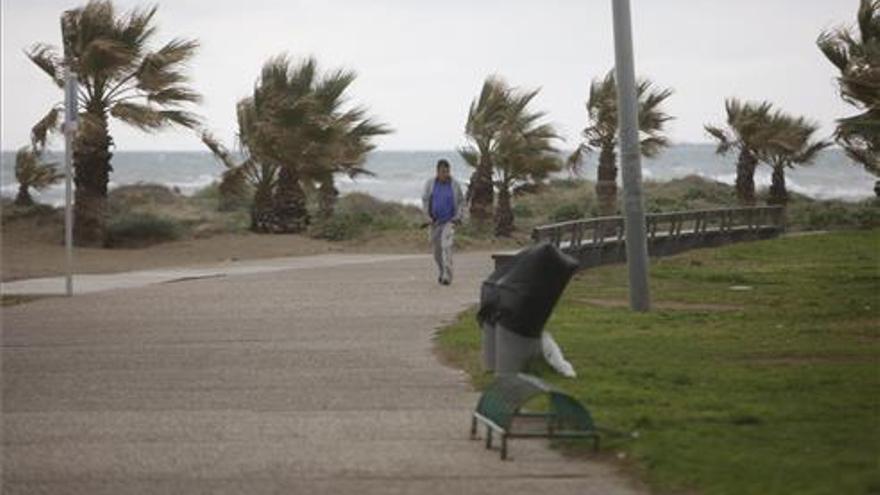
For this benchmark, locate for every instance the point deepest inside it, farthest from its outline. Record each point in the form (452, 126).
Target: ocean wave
(835, 181)
(364, 179)
(191, 186)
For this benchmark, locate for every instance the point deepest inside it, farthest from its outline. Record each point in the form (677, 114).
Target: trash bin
(515, 303)
(487, 315)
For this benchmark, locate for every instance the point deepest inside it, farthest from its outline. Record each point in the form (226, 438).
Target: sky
(420, 62)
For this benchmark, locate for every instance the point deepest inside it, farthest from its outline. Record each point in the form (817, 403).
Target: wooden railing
(600, 241)
(595, 232)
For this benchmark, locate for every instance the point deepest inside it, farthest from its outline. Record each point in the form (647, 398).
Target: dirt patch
(668, 305)
(33, 249)
(810, 359)
(15, 299)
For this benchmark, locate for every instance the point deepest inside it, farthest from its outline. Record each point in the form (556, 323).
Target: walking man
(443, 202)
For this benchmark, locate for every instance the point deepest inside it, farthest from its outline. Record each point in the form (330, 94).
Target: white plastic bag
(553, 356)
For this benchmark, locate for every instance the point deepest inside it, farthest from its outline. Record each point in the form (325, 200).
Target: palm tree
(262, 177)
(120, 77)
(294, 131)
(304, 128)
(31, 173)
(793, 146)
(345, 145)
(483, 128)
(283, 136)
(522, 151)
(601, 133)
(751, 130)
(857, 57)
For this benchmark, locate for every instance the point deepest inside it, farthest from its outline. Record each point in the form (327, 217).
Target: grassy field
(757, 372)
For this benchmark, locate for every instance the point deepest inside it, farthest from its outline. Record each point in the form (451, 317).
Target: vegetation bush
(37, 212)
(126, 198)
(142, 229)
(833, 215)
(522, 211)
(358, 214)
(568, 211)
(208, 195)
(340, 227)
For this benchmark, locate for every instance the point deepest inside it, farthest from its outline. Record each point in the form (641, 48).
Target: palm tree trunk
(482, 193)
(91, 162)
(262, 211)
(504, 213)
(291, 214)
(778, 193)
(327, 196)
(23, 198)
(745, 177)
(606, 183)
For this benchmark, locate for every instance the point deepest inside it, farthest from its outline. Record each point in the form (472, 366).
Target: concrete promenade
(310, 375)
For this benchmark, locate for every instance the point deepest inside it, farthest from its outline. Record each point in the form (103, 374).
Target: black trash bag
(489, 295)
(521, 295)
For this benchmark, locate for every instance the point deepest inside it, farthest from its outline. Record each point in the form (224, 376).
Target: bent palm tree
(303, 128)
(483, 128)
(521, 151)
(344, 142)
(794, 145)
(31, 173)
(858, 60)
(295, 131)
(261, 176)
(120, 77)
(751, 130)
(601, 133)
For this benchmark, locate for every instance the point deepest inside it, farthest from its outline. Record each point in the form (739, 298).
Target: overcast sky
(420, 63)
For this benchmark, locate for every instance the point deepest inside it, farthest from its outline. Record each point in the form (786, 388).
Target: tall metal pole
(71, 116)
(630, 158)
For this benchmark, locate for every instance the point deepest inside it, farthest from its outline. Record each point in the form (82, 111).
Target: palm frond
(147, 118)
(174, 95)
(652, 146)
(470, 155)
(46, 57)
(50, 123)
(163, 68)
(574, 162)
(31, 173)
(218, 150)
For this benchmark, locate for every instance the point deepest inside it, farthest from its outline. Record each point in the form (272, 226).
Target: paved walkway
(87, 283)
(316, 379)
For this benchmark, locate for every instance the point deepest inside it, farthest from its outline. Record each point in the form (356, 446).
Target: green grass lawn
(772, 387)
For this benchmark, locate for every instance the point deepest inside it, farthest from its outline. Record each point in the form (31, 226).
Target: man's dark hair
(442, 163)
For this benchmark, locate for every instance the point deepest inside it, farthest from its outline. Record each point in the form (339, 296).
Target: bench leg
(503, 447)
(488, 437)
(474, 428)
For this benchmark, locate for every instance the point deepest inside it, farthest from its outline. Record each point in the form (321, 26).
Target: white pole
(71, 116)
(630, 159)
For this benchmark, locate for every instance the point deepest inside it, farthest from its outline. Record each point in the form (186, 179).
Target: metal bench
(502, 403)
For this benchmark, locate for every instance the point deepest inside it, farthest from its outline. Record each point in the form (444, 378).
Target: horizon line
(394, 150)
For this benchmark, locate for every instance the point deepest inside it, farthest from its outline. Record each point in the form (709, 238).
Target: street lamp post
(71, 118)
(630, 158)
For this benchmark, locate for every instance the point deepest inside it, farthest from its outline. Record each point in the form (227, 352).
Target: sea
(399, 175)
